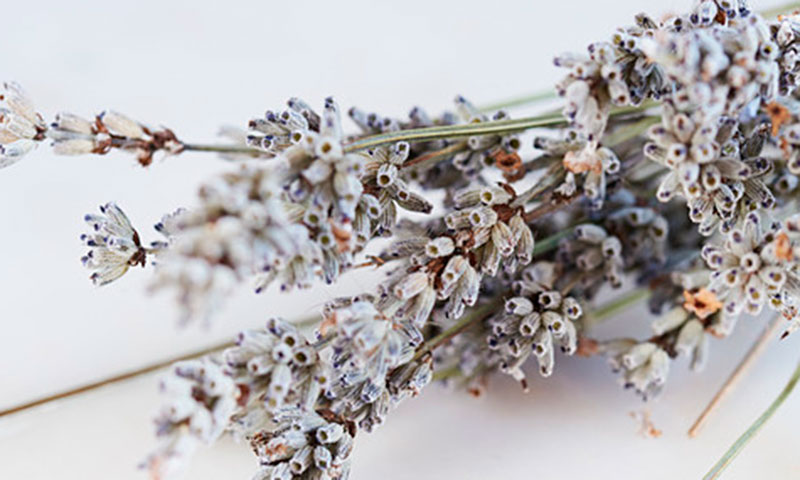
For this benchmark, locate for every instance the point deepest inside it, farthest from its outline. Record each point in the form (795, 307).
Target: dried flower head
(200, 399)
(535, 322)
(755, 266)
(644, 366)
(713, 166)
(21, 128)
(74, 135)
(304, 445)
(114, 245)
(273, 368)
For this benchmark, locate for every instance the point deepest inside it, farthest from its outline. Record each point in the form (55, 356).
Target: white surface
(194, 66)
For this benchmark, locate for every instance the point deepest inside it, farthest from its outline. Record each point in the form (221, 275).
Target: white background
(194, 66)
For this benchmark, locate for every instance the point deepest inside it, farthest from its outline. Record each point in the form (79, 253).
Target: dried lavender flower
(644, 366)
(200, 400)
(713, 166)
(21, 128)
(114, 245)
(536, 322)
(274, 368)
(304, 445)
(756, 266)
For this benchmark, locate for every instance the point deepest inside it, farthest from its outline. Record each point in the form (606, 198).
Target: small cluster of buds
(278, 131)
(385, 191)
(273, 368)
(114, 245)
(74, 135)
(644, 365)
(616, 72)
(492, 222)
(756, 266)
(596, 255)
(343, 199)
(720, 60)
(486, 150)
(21, 128)
(304, 445)
(713, 165)
(683, 330)
(371, 360)
(534, 322)
(429, 270)
(241, 228)
(785, 32)
(581, 159)
(200, 399)
(471, 156)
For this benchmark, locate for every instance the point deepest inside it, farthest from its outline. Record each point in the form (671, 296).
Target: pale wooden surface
(196, 65)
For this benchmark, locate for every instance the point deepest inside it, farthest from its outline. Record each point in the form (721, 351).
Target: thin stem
(446, 373)
(751, 432)
(509, 103)
(498, 127)
(572, 283)
(616, 305)
(549, 243)
(758, 348)
(550, 179)
(234, 149)
(628, 132)
(549, 206)
(474, 316)
(153, 367)
(435, 155)
(115, 379)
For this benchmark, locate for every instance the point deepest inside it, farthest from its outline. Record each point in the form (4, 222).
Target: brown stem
(572, 283)
(548, 207)
(117, 378)
(134, 373)
(758, 348)
(436, 154)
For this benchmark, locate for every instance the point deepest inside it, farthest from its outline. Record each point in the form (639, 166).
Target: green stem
(748, 435)
(548, 94)
(476, 315)
(446, 373)
(234, 149)
(616, 305)
(549, 243)
(499, 127)
(628, 132)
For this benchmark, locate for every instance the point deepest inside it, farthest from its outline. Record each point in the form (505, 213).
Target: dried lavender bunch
(672, 171)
